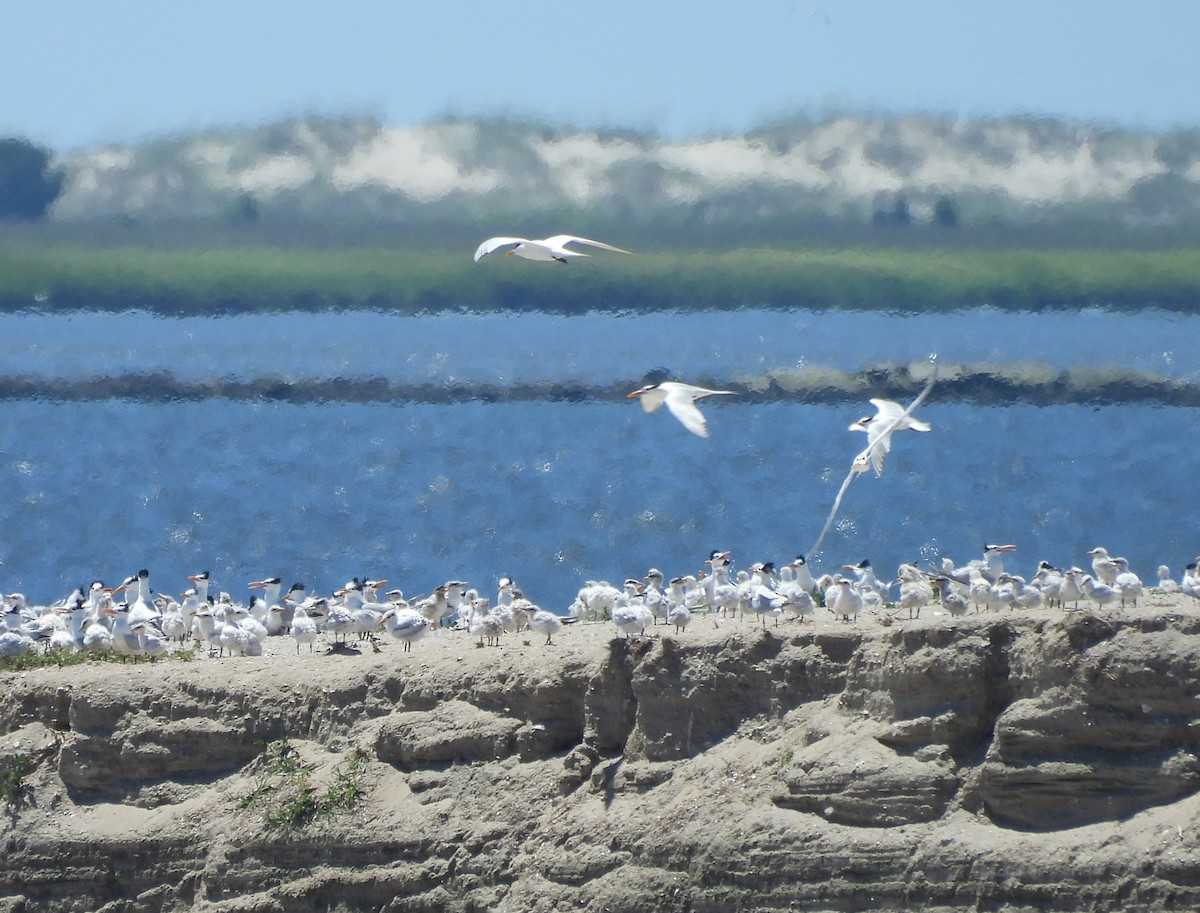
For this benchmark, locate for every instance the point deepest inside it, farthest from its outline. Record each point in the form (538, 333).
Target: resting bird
(889, 416)
(546, 249)
(680, 399)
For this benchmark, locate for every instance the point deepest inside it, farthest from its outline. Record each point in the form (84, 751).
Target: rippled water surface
(553, 493)
(593, 348)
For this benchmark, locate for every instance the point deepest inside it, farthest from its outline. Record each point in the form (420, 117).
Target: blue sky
(77, 73)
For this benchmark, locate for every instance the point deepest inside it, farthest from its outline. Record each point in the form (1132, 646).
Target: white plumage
(680, 399)
(544, 249)
(889, 416)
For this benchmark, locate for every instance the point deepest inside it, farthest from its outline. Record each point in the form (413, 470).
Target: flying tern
(553, 248)
(889, 416)
(680, 399)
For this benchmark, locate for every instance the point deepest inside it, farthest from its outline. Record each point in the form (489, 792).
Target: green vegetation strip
(219, 280)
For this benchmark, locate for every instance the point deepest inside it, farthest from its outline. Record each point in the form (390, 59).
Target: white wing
(890, 411)
(879, 444)
(651, 401)
(561, 240)
(685, 410)
(492, 244)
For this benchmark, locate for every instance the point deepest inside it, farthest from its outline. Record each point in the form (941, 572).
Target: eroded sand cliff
(1019, 761)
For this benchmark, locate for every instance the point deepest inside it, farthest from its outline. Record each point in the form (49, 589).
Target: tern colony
(143, 623)
(793, 592)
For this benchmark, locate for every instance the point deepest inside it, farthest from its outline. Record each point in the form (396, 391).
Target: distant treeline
(981, 385)
(201, 281)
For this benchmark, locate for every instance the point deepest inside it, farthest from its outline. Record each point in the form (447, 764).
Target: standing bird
(483, 624)
(545, 249)
(1100, 593)
(1127, 584)
(952, 599)
(1189, 583)
(631, 615)
(916, 591)
(303, 629)
(1103, 565)
(803, 575)
(889, 416)
(541, 621)
(1071, 590)
(680, 399)
(845, 600)
(406, 625)
(1050, 579)
(1165, 583)
(142, 608)
(678, 613)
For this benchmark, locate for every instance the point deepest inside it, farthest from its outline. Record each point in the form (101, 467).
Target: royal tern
(152, 643)
(125, 642)
(982, 591)
(721, 594)
(406, 625)
(594, 599)
(889, 417)
(174, 626)
(953, 601)
(1165, 583)
(803, 575)
(304, 629)
(230, 635)
(1071, 591)
(1004, 592)
(1189, 582)
(916, 591)
(483, 624)
(632, 618)
(1100, 593)
(653, 595)
(1103, 565)
(271, 587)
(1049, 580)
(1127, 584)
(867, 581)
(1028, 596)
(799, 600)
(845, 600)
(14, 643)
(545, 249)
(541, 621)
(205, 628)
(678, 614)
(141, 607)
(681, 400)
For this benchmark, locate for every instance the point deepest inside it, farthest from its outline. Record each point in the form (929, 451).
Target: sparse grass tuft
(12, 779)
(62, 658)
(290, 798)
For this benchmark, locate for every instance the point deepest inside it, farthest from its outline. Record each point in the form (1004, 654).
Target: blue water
(554, 493)
(596, 348)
